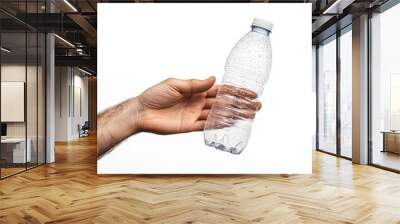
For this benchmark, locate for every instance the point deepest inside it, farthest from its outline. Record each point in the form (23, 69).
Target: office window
(327, 96)
(385, 89)
(22, 93)
(31, 99)
(346, 93)
(14, 153)
(41, 109)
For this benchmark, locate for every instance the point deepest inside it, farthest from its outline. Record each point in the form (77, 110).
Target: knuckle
(169, 80)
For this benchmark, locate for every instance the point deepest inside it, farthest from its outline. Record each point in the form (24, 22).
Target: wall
(14, 73)
(92, 108)
(61, 103)
(288, 104)
(71, 102)
(34, 124)
(17, 73)
(80, 84)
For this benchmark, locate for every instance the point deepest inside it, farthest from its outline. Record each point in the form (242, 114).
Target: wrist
(118, 123)
(144, 116)
(134, 110)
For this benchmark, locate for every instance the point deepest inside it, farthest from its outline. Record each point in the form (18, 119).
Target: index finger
(212, 92)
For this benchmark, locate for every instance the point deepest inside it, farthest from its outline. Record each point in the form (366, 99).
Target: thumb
(192, 85)
(198, 86)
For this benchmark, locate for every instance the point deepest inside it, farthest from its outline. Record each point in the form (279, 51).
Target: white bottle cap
(262, 23)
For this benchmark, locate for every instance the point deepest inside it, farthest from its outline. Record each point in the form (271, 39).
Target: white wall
(201, 48)
(61, 103)
(69, 82)
(12, 73)
(16, 73)
(80, 83)
(34, 125)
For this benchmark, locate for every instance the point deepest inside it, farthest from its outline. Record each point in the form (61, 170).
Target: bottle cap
(262, 23)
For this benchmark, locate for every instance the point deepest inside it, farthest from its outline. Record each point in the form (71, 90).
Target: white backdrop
(140, 45)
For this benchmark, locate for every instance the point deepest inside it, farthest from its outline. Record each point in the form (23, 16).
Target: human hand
(231, 105)
(176, 106)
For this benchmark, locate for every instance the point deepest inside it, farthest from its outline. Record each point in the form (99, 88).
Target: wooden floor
(5, 172)
(70, 191)
(8, 171)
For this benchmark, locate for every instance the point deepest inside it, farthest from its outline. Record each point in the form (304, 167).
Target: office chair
(84, 130)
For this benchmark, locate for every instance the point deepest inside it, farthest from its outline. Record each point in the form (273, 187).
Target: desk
(13, 150)
(391, 141)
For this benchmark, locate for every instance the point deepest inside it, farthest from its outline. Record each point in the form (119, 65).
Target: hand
(231, 105)
(176, 106)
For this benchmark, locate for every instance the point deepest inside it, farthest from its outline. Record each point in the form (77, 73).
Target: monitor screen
(3, 129)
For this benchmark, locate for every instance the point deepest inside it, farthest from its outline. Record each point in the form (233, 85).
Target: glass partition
(31, 99)
(14, 155)
(327, 96)
(385, 89)
(41, 110)
(35, 57)
(346, 93)
(22, 77)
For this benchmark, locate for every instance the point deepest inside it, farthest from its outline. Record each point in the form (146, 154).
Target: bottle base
(222, 147)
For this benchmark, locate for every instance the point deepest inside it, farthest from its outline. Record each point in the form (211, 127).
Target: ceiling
(74, 22)
(332, 15)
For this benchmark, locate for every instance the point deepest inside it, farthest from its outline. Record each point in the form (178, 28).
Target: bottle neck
(260, 30)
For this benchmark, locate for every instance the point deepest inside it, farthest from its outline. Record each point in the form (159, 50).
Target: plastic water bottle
(247, 69)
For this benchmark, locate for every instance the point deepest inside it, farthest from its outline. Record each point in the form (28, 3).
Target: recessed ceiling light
(5, 50)
(65, 41)
(84, 71)
(338, 6)
(70, 5)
